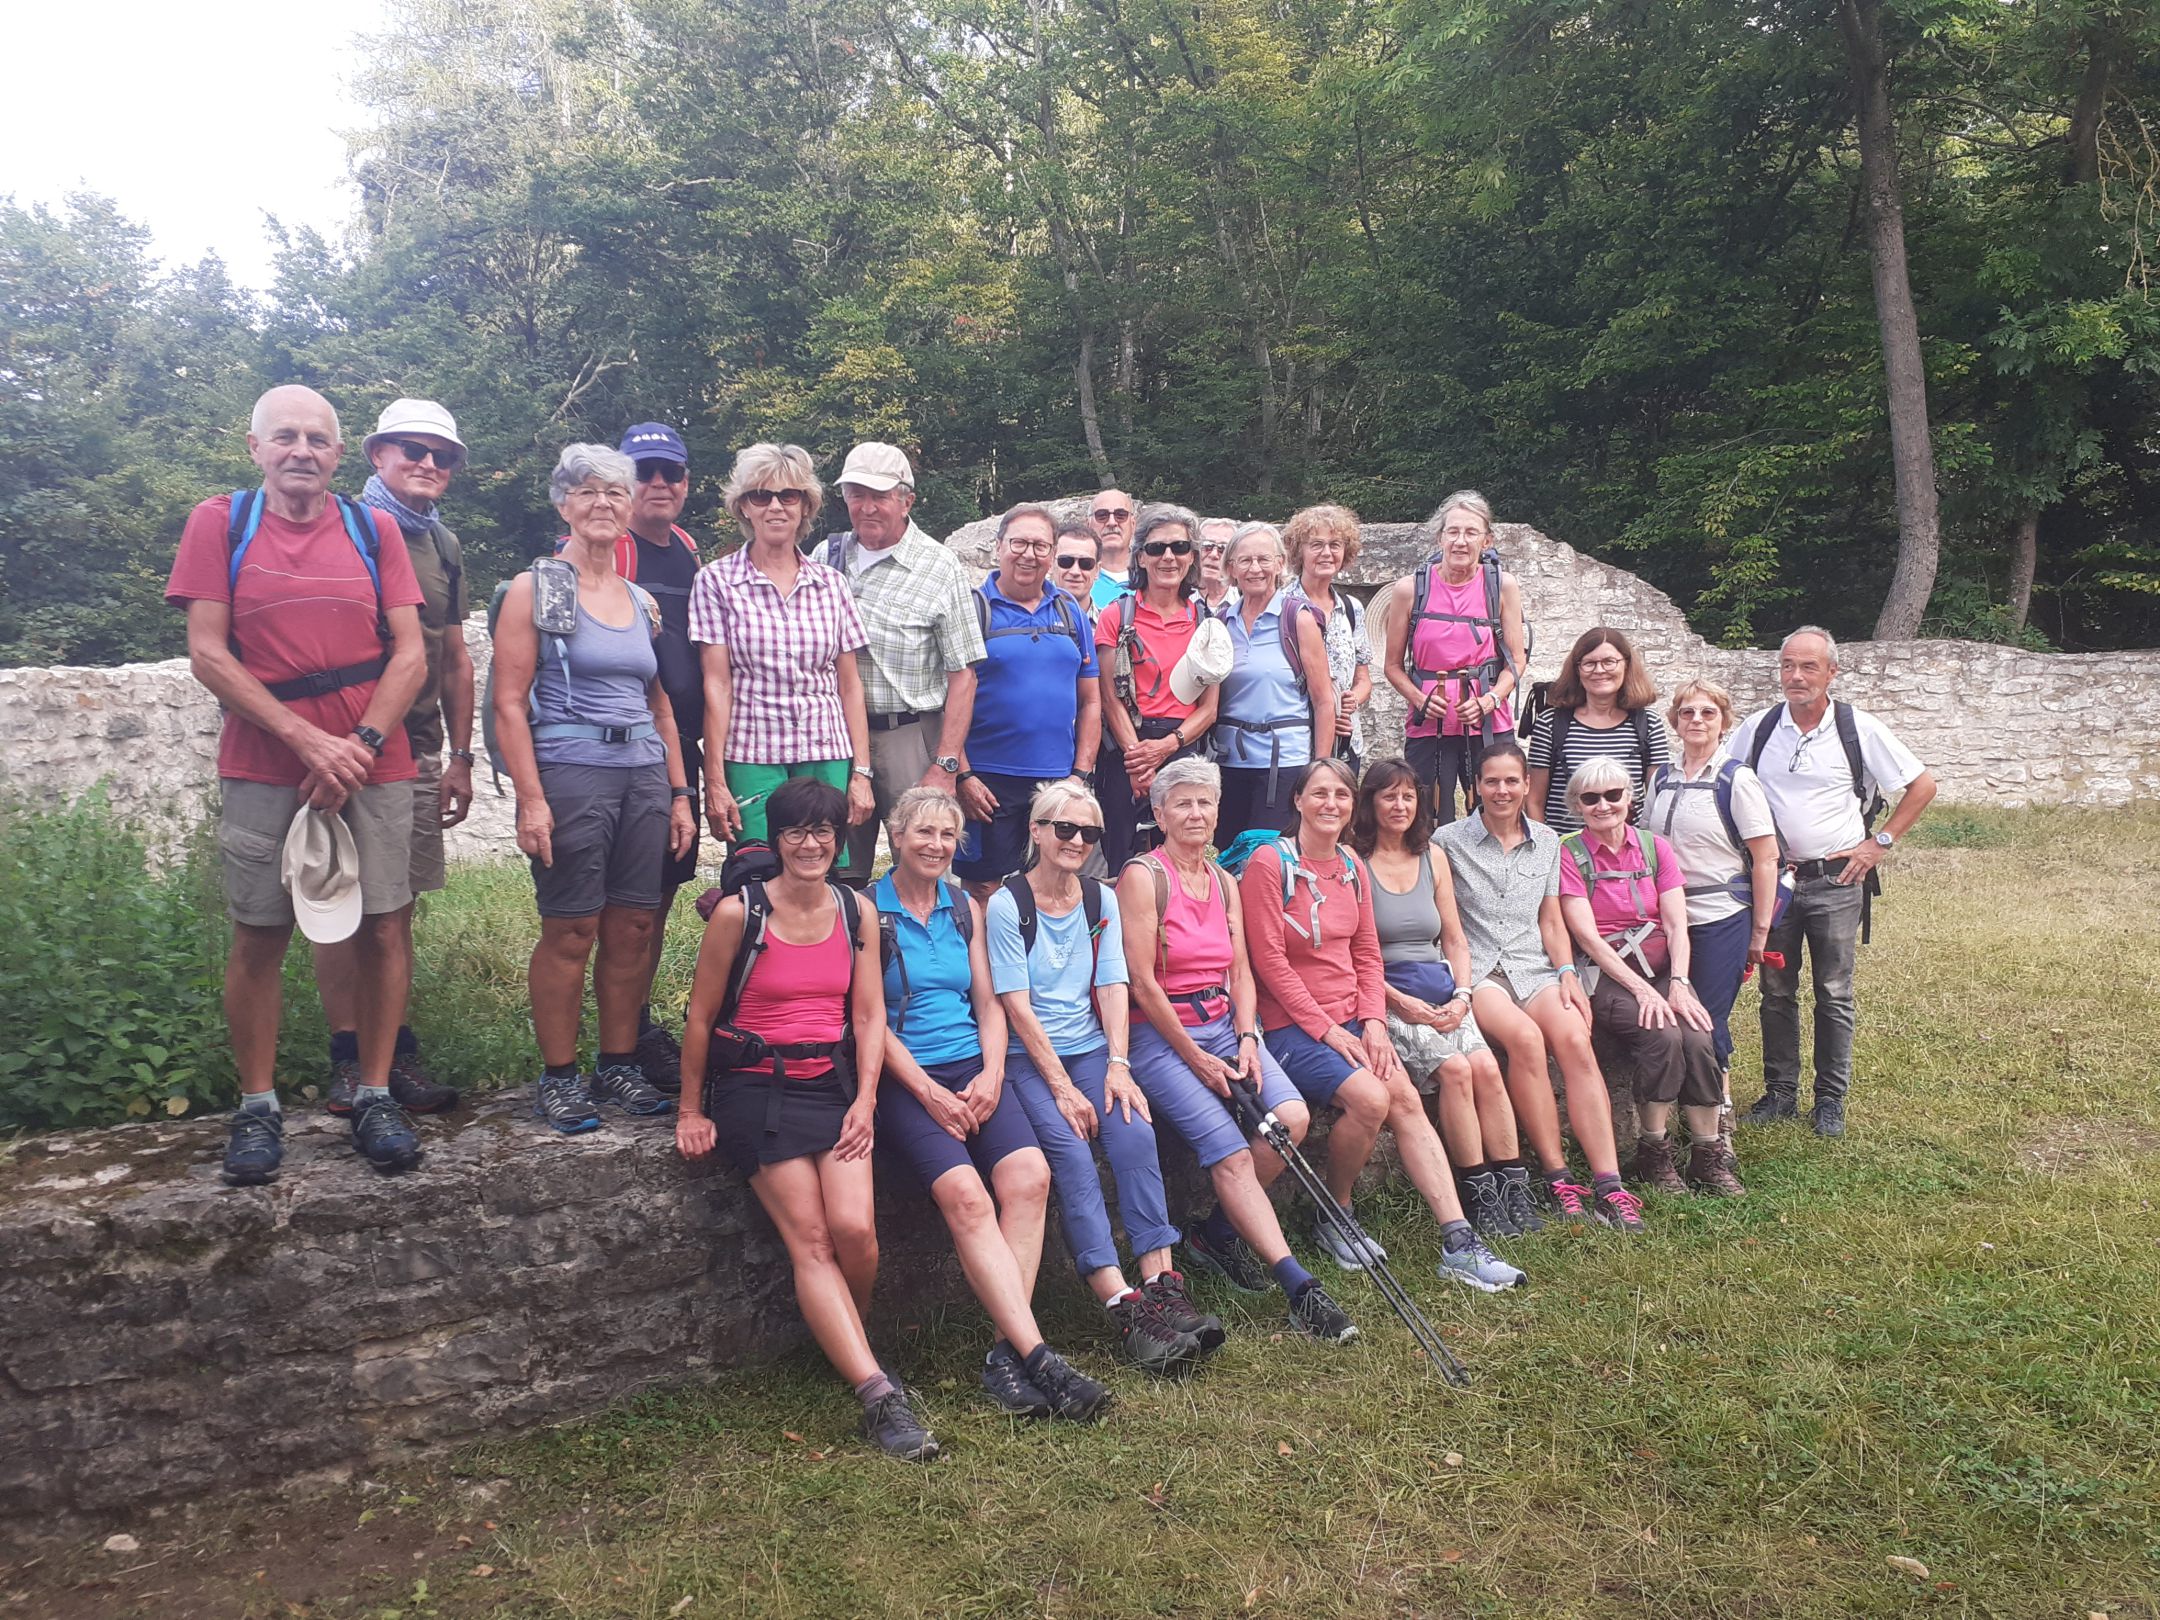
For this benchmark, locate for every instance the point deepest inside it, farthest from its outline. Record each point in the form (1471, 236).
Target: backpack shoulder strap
(757, 912)
(982, 609)
(836, 549)
(645, 601)
(1563, 719)
(241, 523)
(963, 914)
(1024, 904)
(1576, 850)
(1848, 735)
(1161, 879)
(1091, 902)
(1641, 721)
(1721, 791)
(1764, 729)
(850, 914)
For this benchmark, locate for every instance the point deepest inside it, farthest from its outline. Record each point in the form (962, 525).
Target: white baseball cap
(412, 416)
(1207, 661)
(321, 871)
(877, 466)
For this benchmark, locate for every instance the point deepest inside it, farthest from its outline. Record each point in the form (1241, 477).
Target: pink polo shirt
(1620, 905)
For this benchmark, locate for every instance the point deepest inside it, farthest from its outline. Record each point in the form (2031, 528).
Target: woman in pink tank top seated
(790, 1084)
(1459, 664)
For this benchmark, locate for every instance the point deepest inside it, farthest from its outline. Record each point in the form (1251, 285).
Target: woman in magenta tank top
(1455, 668)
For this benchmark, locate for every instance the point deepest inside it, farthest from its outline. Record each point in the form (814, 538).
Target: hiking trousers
(1824, 917)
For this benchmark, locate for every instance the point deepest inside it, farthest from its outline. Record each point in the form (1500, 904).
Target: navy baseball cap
(654, 441)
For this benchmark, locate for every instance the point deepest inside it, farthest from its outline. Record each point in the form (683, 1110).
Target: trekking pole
(1263, 1123)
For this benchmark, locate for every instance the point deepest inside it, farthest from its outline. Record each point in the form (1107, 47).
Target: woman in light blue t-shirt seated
(1057, 963)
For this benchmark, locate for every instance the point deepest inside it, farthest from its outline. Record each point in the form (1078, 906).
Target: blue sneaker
(624, 1086)
(383, 1136)
(565, 1104)
(255, 1149)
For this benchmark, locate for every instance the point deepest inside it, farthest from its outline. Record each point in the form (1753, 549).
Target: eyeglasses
(1086, 565)
(758, 499)
(1607, 796)
(1034, 547)
(448, 457)
(1067, 831)
(1603, 663)
(1708, 712)
(668, 472)
(1112, 514)
(1176, 548)
(796, 837)
(612, 493)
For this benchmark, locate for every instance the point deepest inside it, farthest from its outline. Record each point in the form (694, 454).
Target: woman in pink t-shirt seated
(1623, 895)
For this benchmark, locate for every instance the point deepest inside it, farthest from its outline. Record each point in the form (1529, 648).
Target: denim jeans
(1825, 917)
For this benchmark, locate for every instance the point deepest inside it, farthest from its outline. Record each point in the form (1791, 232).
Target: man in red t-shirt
(315, 666)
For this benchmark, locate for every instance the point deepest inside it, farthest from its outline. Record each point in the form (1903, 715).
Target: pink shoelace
(1568, 1196)
(1626, 1202)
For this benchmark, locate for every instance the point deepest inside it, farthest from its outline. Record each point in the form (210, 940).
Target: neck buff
(377, 494)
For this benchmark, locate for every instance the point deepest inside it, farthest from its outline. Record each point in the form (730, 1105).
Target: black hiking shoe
(1828, 1117)
(1236, 1264)
(1485, 1202)
(891, 1425)
(1007, 1384)
(564, 1103)
(255, 1149)
(1072, 1394)
(413, 1089)
(1313, 1313)
(659, 1054)
(1771, 1107)
(1151, 1343)
(1167, 1290)
(1521, 1207)
(624, 1086)
(1621, 1210)
(344, 1081)
(383, 1136)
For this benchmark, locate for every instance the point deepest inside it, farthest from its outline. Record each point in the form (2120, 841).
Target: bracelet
(1462, 993)
(1567, 967)
(1249, 1035)
(683, 793)
(964, 776)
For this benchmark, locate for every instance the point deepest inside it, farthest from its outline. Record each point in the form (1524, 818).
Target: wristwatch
(684, 792)
(1886, 838)
(465, 754)
(370, 736)
(865, 772)
(948, 763)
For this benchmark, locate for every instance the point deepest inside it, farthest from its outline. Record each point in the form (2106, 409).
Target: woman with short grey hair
(1277, 710)
(588, 740)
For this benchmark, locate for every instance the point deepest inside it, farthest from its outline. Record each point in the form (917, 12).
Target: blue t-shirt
(1056, 973)
(940, 1025)
(1027, 702)
(1107, 589)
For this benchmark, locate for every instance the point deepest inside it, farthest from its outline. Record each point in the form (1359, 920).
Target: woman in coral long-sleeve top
(1323, 1013)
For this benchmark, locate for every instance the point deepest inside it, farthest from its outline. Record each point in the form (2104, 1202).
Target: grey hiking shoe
(416, 1091)
(1828, 1117)
(383, 1136)
(1235, 1262)
(1338, 1244)
(1480, 1268)
(1521, 1207)
(1167, 1290)
(344, 1081)
(1007, 1384)
(1072, 1394)
(255, 1149)
(1151, 1343)
(659, 1054)
(1771, 1107)
(1568, 1200)
(624, 1086)
(1485, 1202)
(1619, 1209)
(890, 1424)
(564, 1103)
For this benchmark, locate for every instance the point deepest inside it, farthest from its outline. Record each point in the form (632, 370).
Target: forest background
(1634, 269)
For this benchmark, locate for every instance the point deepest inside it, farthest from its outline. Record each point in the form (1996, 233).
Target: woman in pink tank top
(1456, 670)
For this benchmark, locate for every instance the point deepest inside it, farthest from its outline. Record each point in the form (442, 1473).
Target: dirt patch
(2072, 1146)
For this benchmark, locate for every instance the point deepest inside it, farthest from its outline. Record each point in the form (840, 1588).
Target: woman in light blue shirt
(1275, 716)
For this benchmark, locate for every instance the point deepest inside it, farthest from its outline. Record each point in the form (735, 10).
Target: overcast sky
(197, 119)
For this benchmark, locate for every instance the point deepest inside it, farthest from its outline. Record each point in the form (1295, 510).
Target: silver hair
(1052, 797)
(1218, 523)
(1027, 509)
(1829, 641)
(1469, 500)
(1182, 772)
(1245, 531)
(1595, 776)
(258, 416)
(1163, 515)
(579, 462)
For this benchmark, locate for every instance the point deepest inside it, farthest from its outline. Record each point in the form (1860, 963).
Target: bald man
(303, 620)
(1111, 517)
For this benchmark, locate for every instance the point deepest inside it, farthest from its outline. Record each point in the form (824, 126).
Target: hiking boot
(1151, 1343)
(383, 1136)
(1167, 1290)
(1568, 1200)
(1521, 1207)
(1478, 1266)
(255, 1149)
(1485, 1202)
(344, 1081)
(1712, 1169)
(1007, 1384)
(1338, 1245)
(1314, 1314)
(1621, 1210)
(1828, 1117)
(624, 1086)
(414, 1090)
(659, 1054)
(1235, 1262)
(1653, 1166)
(1771, 1107)
(891, 1425)
(1072, 1394)
(564, 1103)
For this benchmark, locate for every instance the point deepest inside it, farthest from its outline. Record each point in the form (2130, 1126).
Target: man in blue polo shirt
(1038, 706)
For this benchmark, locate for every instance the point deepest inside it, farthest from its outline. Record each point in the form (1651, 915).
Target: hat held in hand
(1207, 661)
(321, 871)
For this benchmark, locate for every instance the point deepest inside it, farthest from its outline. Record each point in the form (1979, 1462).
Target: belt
(893, 722)
(1200, 1000)
(580, 731)
(1274, 767)
(325, 681)
(1817, 869)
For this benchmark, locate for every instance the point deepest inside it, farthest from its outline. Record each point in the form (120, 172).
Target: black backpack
(888, 927)
(748, 868)
(1068, 623)
(1871, 799)
(1488, 671)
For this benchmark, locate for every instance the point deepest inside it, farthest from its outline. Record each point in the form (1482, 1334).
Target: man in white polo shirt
(1824, 767)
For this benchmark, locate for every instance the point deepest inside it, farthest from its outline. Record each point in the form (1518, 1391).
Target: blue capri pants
(1177, 1094)
(1130, 1147)
(1717, 958)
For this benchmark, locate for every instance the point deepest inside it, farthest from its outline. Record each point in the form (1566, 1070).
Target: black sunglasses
(762, 498)
(1606, 796)
(1112, 514)
(447, 457)
(1067, 831)
(1085, 564)
(668, 472)
(1176, 548)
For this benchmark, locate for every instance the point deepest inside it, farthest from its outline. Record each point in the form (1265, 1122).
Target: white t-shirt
(1809, 783)
(1688, 819)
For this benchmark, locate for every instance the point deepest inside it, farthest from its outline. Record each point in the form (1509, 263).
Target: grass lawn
(1937, 1341)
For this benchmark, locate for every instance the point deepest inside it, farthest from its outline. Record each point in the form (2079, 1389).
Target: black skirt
(807, 1123)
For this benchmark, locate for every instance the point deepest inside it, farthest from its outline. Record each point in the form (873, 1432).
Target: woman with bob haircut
(945, 1106)
(780, 634)
(1599, 707)
(1622, 892)
(1057, 963)
(1322, 992)
(1199, 1035)
(1429, 1019)
(1323, 541)
(1277, 709)
(778, 1096)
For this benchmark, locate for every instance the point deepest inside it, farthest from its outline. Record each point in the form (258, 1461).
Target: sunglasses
(1067, 831)
(449, 459)
(1086, 565)
(758, 499)
(1112, 514)
(668, 472)
(1606, 796)
(1176, 548)
(1213, 548)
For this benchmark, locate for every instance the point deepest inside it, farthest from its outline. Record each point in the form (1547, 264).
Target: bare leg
(1247, 1207)
(254, 998)
(622, 977)
(1364, 1104)
(1424, 1160)
(658, 944)
(384, 950)
(337, 976)
(793, 1196)
(1589, 1109)
(985, 1258)
(1107, 1284)
(556, 981)
(1267, 1165)
(1517, 1033)
(1496, 1115)
(1154, 1263)
(851, 1219)
(1022, 1184)
(1456, 1109)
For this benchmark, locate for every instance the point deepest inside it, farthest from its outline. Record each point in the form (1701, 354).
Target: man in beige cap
(918, 672)
(414, 450)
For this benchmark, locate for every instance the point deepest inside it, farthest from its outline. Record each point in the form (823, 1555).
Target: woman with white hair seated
(588, 738)
(1277, 710)
(1623, 895)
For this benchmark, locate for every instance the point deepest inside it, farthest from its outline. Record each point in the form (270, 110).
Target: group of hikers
(1143, 872)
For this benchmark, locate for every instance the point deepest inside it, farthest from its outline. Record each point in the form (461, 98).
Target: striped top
(1585, 743)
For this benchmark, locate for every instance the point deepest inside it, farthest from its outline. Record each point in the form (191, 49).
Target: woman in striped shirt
(1600, 707)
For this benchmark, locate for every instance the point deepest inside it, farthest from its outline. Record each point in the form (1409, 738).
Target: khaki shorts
(253, 818)
(428, 875)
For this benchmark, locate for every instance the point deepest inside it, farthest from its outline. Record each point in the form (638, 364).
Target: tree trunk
(2081, 165)
(1912, 452)
(2024, 562)
(1090, 420)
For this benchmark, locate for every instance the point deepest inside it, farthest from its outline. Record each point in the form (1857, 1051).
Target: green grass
(1938, 1340)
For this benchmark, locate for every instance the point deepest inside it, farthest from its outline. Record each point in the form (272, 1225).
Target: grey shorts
(1423, 1049)
(253, 818)
(428, 874)
(610, 840)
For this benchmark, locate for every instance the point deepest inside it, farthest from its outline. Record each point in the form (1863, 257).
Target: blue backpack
(1719, 784)
(240, 530)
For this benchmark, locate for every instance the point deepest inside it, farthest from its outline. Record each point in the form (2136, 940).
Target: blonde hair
(917, 803)
(1052, 797)
(1702, 686)
(1321, 522)
(774, 466)
(1598, 776)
